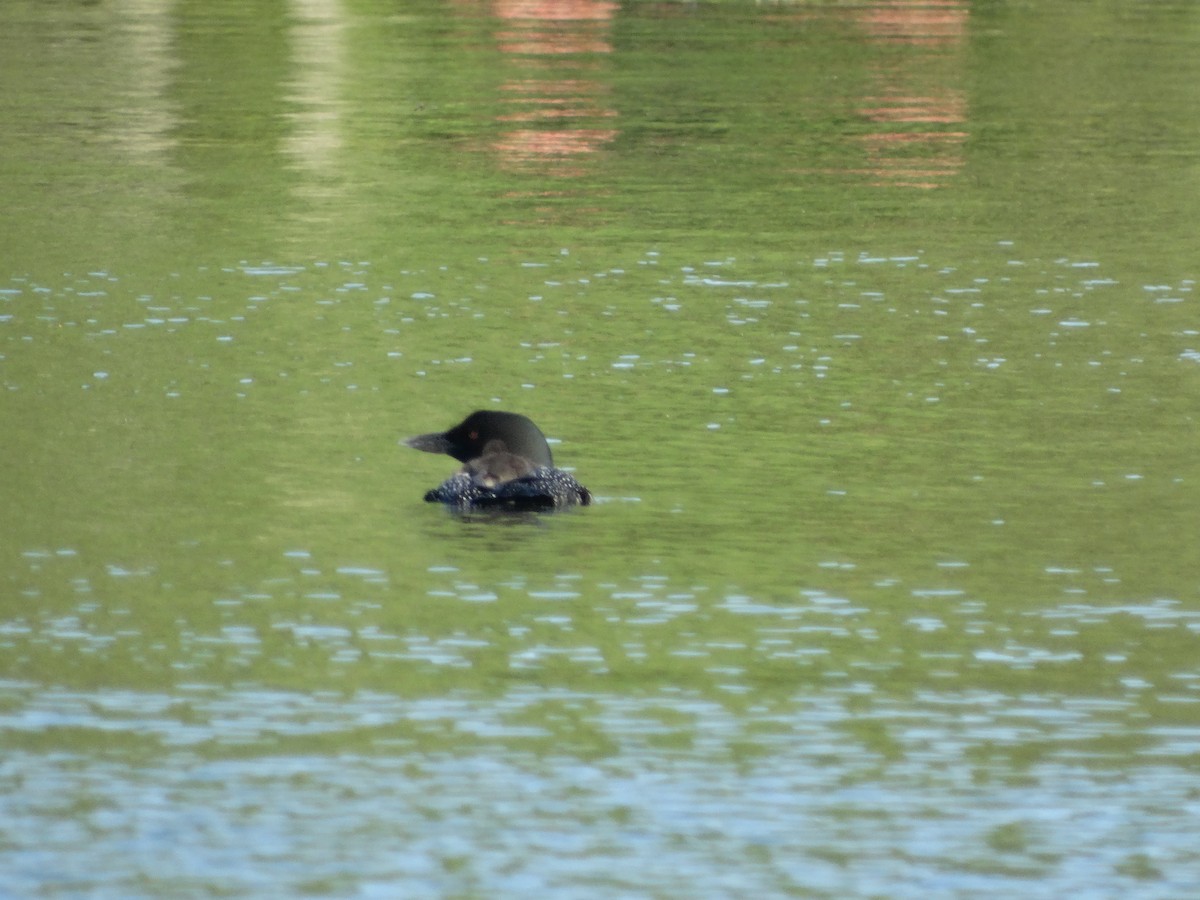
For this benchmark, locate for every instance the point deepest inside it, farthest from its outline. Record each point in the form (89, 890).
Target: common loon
(506, 465)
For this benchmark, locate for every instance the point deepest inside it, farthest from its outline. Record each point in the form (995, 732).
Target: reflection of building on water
(918, 147)
(560, 112)
(927, 22)
(558, 108)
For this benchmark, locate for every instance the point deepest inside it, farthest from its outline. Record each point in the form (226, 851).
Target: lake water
(872, 327)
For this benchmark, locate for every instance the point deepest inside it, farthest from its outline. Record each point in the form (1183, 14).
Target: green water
(872, 328)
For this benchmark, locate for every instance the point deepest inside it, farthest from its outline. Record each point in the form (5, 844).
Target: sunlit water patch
(581, 792)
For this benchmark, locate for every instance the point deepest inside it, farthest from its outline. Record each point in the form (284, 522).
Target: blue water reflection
(770, 800)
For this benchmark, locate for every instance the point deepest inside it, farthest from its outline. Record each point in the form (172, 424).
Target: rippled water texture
(872, 328)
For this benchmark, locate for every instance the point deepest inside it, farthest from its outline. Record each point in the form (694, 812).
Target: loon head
(487, 432)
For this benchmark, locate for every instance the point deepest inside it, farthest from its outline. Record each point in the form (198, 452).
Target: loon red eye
(474, 435)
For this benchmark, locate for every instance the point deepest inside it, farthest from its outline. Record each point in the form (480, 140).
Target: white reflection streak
(318, 54)
(146, 122)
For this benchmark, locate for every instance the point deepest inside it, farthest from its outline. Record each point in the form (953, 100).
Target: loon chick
(507, 465)
(497, 465)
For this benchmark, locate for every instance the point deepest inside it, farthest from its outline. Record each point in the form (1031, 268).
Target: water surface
(872, 328)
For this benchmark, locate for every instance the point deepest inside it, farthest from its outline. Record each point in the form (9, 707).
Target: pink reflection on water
(915, 21)
(555, 10)
(553, 43)
(905, 94)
